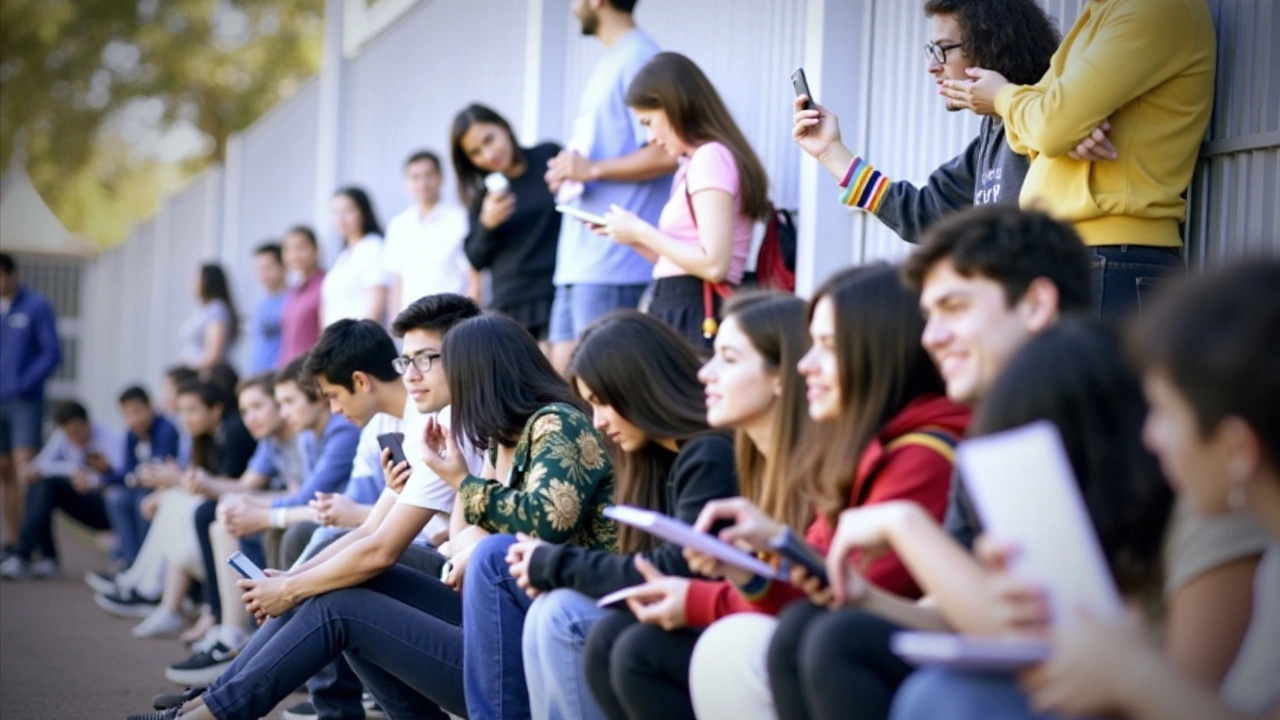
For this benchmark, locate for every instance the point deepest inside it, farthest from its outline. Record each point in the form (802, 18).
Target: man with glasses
(962, 34)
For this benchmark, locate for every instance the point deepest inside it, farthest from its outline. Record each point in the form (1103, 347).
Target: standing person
(208, 333)
(608, 161)
(423, 252)
(704, 233)
(264, 327)
(300, 316)
(1147, 68)
(962, 34)
(514, 223)
(356, 285)
(29, 353)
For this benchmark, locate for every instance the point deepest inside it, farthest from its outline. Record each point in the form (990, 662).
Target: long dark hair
(674, 84)
(368, 218)
(204, 448)
(1074, 375)
(214, 286)
(881, 366)
(774, 323)
(1015, 38)
(648, 373)
(498, 378)
(470, 177)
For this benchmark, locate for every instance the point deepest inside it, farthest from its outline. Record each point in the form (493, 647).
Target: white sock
(231, 636)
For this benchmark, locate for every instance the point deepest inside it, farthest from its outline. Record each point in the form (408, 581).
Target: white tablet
(968, 652)
(582, 215)
(684, 535)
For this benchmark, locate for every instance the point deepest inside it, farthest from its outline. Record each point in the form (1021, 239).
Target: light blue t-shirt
(264, 333)
(609, 130)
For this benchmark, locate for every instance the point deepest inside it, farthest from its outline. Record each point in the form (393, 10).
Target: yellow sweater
(1148, 65)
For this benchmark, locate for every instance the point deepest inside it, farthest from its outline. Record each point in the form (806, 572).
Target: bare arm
(377, 304)
(381, 510)
(1207, 620)
(215, 344)
(395, 292)
(646, 163)
(710, 257)
(474, 287)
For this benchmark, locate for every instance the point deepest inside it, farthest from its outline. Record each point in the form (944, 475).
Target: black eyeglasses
(422, 361)
(939, 52)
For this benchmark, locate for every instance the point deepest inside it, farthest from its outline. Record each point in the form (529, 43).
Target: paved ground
(62, 657)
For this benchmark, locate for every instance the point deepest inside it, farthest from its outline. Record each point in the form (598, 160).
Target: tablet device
(968, 652)
(395, 443)
(246, 567)
(582, 215)
(682, 534)
(1025, 492)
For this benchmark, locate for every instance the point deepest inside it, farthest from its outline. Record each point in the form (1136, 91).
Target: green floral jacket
(561, 482)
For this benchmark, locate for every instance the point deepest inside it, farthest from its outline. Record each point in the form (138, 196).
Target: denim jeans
(1123, 277)
(936, 694)
(555, 632)
(21, 425)
(49, 494)
(494, 608)
(401, 632)
(577, 306)
(124, 511)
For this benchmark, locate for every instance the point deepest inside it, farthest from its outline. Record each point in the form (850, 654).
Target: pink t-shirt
(300, 320)
(711, 167)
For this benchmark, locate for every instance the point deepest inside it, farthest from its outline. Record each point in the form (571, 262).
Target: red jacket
(910, 460)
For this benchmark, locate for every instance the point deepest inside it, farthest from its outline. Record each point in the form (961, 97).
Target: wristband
(278, 519)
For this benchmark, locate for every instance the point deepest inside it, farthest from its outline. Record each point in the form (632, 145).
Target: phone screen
(801, 84)
(393, 442)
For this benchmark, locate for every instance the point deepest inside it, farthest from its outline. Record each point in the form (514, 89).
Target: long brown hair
(648, 374)
(672, 83)
(774, 323)
(470, 177)
(881, 367)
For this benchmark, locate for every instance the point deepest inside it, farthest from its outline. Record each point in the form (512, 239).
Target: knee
(120, 499)
(784, 645)
(728, 661)
(833, 641)
(489, 558)
(553, 615)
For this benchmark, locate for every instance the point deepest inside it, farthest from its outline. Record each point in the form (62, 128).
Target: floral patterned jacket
(561, 482)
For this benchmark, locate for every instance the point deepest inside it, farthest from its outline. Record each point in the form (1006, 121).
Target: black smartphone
(246, 567)
(801, 84)
(795, 549)
(395, 443)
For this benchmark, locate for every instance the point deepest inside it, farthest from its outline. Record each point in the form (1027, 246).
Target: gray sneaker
(14, 568)
(45, 569)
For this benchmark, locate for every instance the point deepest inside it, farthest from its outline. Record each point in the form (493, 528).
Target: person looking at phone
(962, 34)
(514, 223)
(608, 160)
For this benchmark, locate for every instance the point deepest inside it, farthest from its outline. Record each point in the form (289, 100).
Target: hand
(83, 481)
(816, 131)
(1087, 672)
(977, 94)
(1096, 146)
(458, 571)
(196, 482)
(98, 462)
(165, 474)
(750, 526)
(496, 208)
(1019, 606)
(661, 600)
(624, 226)
(707, 566)
(440, 452)
(518, 558)
(395, 475)
(268, 597)
(818, 593)
(567, 165)
(147, 508)
(337, 510)
(864, 529)
(28, 474)
(242, 518)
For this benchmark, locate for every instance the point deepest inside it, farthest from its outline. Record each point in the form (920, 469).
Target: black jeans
(1124, 277)
(637, 671)
(49, 494)
(833, 664)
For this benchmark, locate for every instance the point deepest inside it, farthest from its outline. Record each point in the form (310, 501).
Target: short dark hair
(210, 393)
(350, 346)
(420, 155)
(271, 248)
(264, 381)
(1015, 38)
(180, 374)
(435, 313)
(1218, 338)
(1009, 245)
(225, 377)
(305, 232)
(7, 264)
(296, 372)
(626, 6)
(69, 410)
(135, 393)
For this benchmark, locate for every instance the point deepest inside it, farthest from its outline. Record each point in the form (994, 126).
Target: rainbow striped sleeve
(864, 186)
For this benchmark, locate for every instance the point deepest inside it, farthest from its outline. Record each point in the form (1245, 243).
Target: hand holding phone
(801, 85)
(796, 550)
(582, 215)
(393, 442)
(246, 567)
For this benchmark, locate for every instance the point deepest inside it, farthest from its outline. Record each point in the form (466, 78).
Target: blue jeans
(937, 694)
(555, 632)
(21, 425)
(1124, 277)
(125, 514)
(401, 632)
(494, 608)
(576, 307)
(54, 493)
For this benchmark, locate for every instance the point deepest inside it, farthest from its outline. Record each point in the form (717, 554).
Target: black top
(233, 447)
(520, 254)
(703, 471)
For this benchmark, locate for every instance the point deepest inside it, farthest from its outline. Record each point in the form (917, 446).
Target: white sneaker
(102, 582)
(159, 624)
(14, 568)
(45, 569)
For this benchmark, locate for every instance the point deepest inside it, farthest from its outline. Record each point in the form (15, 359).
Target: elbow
(717, 272)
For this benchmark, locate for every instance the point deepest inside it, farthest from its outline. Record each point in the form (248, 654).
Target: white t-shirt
(1253, 684)
(345, 290)
(426, 252)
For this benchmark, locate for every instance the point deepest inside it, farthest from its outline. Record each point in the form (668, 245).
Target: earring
(1236, 498)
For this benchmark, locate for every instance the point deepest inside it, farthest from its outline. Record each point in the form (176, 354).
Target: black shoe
(169, 701)
(170, 714)
(302, 711)
(126, 603)
(203, 667)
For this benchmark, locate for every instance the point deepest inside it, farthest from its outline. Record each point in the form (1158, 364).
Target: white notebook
(682, 534)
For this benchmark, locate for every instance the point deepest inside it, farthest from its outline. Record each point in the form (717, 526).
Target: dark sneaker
(169, 701)
(302, 711)
(101, 582)
(170, 714)
(126, 603)
(203, 667)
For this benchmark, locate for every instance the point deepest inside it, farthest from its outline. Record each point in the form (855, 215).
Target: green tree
(71, 69)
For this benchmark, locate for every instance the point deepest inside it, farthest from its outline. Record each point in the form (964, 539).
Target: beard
(590, 22)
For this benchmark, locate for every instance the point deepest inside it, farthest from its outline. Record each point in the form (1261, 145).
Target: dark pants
(288, 546)
(495, 608)
(679, 302)
(824, 664)
(49, 494)
(401, 632)
(206, 514)
(637, 671)
(1124, 277)
(124, 509)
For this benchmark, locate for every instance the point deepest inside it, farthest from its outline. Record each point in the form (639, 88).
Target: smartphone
(794, 548)
(246, 567)
(395, 443)
(801, 84)
(582, 215)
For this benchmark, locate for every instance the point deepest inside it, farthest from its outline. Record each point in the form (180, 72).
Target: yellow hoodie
(1148, 66)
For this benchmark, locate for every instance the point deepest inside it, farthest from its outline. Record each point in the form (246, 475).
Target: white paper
(968, 652)
(1025, 492)
(679, 533)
